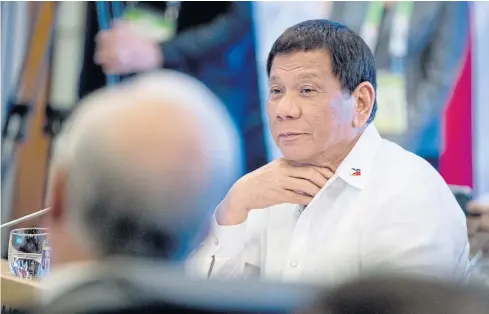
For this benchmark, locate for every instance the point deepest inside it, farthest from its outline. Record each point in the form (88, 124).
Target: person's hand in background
(121, 50)
(478, 225)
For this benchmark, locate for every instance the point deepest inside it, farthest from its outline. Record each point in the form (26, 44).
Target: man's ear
(364, 95)
(57, 195)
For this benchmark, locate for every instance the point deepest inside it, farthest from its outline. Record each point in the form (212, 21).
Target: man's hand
(120, 50)
(275, 183)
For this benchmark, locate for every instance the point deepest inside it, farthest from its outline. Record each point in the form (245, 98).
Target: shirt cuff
(228, 241)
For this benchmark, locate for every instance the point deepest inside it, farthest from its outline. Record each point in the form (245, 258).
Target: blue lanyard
(104, 20)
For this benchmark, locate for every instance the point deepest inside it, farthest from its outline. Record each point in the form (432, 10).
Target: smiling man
(342, 201)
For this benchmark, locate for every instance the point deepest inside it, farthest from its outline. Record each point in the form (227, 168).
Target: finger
(108, 64)
(104, 58)
(114, 61)
(326, 172)
(103, 39)
(112, 68)
(308, 173)
(478, 208)
(296, 198)
(111, 39)
(301, 186)
(101, 56)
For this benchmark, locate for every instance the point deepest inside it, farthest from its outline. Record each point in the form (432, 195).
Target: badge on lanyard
(392, 113)
(152, 23)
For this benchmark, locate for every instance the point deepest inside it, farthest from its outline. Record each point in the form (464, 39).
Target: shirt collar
(358, 164)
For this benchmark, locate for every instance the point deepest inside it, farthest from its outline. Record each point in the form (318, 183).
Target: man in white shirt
(342, 201)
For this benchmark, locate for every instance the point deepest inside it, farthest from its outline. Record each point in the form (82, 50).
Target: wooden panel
(32, 155)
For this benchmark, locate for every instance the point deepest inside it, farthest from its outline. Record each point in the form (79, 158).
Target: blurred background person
(401, 295)
(214, 42)
(419, 48)
(136, 175)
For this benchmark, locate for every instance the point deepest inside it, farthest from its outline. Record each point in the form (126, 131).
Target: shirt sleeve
(421, 231)
(230, 252)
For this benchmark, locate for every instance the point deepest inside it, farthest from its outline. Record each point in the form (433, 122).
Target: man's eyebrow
(303, 76)
(273, 78)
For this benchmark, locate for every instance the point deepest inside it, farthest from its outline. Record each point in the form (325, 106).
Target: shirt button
(294, 264)
(216, 242)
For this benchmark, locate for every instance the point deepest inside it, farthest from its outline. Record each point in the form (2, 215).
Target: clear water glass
(29, 253)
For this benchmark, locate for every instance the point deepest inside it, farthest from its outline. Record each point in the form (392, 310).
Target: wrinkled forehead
(305, 65)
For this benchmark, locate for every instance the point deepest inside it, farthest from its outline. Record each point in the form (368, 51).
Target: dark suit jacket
(123, 286)
(215, 44)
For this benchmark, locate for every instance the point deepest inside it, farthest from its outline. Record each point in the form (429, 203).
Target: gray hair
(165, 216)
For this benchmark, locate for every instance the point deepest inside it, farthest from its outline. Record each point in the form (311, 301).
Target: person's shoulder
(406, 176)
(397, 164)
(408, 189)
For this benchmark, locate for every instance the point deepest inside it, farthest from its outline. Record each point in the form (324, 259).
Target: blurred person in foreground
(137, 172)
(401, 295)
(342, 201)
(213, 42)
(419, 48)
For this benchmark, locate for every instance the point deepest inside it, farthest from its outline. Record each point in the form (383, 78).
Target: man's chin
(296, 155)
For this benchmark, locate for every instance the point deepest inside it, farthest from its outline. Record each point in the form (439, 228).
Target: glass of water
(29, 254)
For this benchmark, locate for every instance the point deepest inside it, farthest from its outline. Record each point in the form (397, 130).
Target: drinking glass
(29, 253)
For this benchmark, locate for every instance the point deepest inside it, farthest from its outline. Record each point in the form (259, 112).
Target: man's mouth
(289, 135)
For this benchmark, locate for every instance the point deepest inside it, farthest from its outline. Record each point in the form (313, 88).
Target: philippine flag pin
(355, 172)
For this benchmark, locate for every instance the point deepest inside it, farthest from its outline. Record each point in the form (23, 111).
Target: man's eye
(275, 91)
(307, 90)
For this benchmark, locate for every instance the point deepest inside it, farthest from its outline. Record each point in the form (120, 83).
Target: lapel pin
(355, 172)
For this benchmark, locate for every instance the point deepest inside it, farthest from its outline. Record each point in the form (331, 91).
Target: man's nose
(287, 109)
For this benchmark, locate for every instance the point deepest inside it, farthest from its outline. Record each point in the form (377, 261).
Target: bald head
(145, 164)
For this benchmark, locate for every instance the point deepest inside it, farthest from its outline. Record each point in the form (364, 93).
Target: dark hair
(353, 62)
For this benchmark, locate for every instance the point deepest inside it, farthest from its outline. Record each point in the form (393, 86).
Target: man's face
(310, 116)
